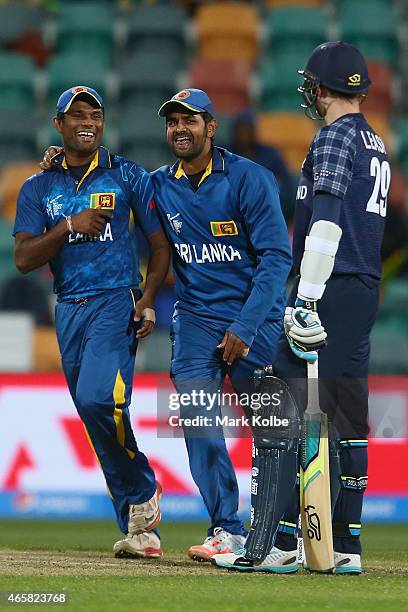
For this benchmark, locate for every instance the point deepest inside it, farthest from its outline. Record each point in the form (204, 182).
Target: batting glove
(304, 331)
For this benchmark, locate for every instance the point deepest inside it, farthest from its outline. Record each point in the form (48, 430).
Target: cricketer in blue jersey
(231, 258)
(76, 216)
(339, 223)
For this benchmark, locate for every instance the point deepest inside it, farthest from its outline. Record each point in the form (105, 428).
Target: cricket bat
(315, 502)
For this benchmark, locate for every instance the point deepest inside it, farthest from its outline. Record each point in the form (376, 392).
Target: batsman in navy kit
(231, 258)
(76, 217)
(339, 223)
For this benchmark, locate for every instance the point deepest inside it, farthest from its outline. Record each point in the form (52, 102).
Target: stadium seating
(16, 19)
(12, 176)
(148, 79)
(279, 81)
(18, 130)
(86, 27)
(398, 194)
(68, 69)
(147, 68)
(285, 3)
(7, 267)
(395, 300)
(227, 30)
(389, 347)
(16, 330)
(224, 130)
(403, 144)
(227, 82)
(373, 31)
(291, 133)
(381, 125)
(142, 137)
(379, 98)
(150, 27)
(16, 82)
(295, 29)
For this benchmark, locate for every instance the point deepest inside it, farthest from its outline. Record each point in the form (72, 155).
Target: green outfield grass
(75, 558)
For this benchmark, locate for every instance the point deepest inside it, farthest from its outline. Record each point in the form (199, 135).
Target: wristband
(69, 224)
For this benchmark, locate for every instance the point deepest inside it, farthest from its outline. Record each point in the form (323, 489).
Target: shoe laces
(219, 536)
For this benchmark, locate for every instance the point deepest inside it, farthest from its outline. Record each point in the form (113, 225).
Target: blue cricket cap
(194, 100)
(68, 97)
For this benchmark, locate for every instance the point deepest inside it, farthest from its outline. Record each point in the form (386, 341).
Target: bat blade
(315, 502)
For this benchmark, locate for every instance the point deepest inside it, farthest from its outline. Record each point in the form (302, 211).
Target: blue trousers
(197, 363)
(97, 339)
(348, 311)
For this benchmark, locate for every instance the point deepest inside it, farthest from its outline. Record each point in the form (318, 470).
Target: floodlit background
(137, 55)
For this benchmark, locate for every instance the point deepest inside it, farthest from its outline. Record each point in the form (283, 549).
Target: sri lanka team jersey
(347, 159)
(231, 254)
(87, 265)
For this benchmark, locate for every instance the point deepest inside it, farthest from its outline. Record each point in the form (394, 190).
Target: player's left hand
(144, 312)
(51, 152)
(304, 331)
(234, 347)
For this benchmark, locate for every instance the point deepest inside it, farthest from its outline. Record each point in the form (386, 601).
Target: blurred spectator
(244, 142)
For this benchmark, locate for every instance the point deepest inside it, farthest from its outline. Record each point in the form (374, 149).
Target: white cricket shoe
(345, 563)
(144, 545)
(220, 541)
(146, 516)
(277, 562)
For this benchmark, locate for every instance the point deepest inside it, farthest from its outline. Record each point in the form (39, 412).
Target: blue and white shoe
(277, 562)
(345, 563)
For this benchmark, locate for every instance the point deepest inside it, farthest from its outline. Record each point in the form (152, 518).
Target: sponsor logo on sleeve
(223, 228)
(102, 200)
(175, 222)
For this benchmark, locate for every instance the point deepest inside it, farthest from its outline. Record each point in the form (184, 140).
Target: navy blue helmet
(336, 65)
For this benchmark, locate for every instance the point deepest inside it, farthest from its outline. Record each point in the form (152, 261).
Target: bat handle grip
(312, 369)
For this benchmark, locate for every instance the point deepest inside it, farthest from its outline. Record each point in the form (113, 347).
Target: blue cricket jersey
(88, 265)
(349, 160)
(231, 253)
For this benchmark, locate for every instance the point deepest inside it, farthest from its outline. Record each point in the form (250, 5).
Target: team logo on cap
(102, 200)
(223, 228)
(78, 89)
(181, 95)
(354, 80)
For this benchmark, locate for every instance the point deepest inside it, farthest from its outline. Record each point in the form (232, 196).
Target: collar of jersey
(102, 159)
(346, 116)
(216, 164)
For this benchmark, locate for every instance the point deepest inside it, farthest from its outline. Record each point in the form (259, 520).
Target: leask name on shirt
(372, 141)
